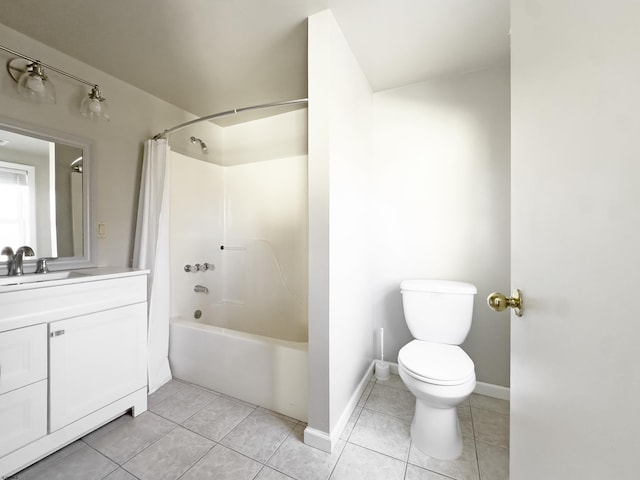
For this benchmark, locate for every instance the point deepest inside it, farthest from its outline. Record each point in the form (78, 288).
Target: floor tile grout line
(335, 465)
(231, 448)
(188, 418)
(104, 456)
(402, 419)
(374, 451)
(475, 443)
(194, 463)
(404, 388)
(204, 436)
(354, 425)
(280, 444)
(264, 465)
(175, 425)
(491, 411)
(493, 445)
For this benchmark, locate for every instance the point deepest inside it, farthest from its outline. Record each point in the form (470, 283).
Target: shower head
(203, 145)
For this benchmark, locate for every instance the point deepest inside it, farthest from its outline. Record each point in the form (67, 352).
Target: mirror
(44, 196)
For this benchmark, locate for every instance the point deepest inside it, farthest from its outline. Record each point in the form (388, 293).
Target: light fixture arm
(42, 64)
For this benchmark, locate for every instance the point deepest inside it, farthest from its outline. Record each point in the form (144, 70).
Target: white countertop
(76, 276)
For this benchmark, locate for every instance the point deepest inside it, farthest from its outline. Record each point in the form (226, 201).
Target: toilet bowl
(433, 367)
(440, 377)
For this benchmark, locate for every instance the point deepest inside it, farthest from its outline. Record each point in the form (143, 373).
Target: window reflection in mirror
(41, 195)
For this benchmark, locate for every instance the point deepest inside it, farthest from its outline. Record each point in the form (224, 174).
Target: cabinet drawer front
(95, 360)
(23, 357)
(23, 416)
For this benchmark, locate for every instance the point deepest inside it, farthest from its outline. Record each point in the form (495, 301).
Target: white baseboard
(490, 390)
(326, 442)
(317, 439)
(482, 388)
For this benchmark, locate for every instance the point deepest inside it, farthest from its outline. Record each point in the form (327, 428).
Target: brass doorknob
(499, 302)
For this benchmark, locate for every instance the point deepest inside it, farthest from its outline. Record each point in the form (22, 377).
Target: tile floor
(190, 433)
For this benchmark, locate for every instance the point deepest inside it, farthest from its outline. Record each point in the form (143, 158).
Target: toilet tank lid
(438, 286)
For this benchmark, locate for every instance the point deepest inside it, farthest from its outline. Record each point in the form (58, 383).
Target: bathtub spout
(200, 289)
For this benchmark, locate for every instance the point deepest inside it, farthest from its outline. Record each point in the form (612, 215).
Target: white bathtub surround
(251, 341)
(151, 251)
(257, 211)
(268, 372)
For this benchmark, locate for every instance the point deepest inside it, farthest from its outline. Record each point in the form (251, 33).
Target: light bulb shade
(34, 85)
(94, 106)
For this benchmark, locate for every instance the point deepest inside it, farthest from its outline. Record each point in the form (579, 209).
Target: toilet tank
(438, 311)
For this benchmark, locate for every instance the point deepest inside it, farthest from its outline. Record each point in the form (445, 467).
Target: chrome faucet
(8, 251)
(14, 261)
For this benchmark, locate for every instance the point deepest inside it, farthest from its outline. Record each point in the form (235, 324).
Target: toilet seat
(436, 363)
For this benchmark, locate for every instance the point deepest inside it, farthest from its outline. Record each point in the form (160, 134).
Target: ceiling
(207, 56)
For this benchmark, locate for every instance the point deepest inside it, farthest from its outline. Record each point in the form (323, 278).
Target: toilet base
(436, 431)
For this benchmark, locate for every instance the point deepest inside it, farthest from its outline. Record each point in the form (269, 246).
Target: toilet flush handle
(498, 302)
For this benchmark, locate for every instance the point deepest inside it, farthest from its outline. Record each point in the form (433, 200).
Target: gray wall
(441, 204)
(117, 145)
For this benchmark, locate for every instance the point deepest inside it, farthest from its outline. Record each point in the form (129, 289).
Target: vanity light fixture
(94, 106)
(34, 84)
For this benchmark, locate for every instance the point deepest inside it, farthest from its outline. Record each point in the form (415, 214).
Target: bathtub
(264, 371)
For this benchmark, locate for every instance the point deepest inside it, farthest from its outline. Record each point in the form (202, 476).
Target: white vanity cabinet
(73, 356)
(23, 386)
(93, 360)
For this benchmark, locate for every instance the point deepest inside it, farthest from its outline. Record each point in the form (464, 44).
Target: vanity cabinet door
(94, 360)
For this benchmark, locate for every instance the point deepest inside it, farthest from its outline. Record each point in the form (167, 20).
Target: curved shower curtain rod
(227, 113)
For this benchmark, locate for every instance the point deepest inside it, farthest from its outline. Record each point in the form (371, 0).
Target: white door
(575, 372)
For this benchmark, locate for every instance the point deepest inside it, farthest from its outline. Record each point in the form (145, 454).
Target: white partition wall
(340, 326)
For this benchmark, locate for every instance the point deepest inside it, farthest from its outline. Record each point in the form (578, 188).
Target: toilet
(433, 366)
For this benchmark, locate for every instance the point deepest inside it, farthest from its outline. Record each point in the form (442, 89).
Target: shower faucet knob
(208, 266)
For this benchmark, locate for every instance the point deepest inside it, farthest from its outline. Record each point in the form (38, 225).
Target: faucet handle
(42, 266)
(25, 251)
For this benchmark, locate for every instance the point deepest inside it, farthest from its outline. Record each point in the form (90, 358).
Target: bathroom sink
(38, 277)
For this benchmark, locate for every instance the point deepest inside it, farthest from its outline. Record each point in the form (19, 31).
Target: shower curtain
(151, 251)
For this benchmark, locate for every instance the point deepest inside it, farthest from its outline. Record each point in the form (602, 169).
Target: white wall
(340, 323)
(117, 145)
(441, 204)
(278, 136)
